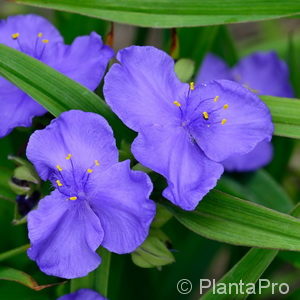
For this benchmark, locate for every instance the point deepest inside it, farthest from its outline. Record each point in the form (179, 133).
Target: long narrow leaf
(228, 219)
(174, 13)
(286, 115)
(11, 274)
(248, 270)
(253, 187)
(53, 90)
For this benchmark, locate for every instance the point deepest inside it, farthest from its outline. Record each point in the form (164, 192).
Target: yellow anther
(223, 121)
(177, 103)
(40, 34)
(45, 41)
(89, 170)
(97, 162)
(192, 86)
(69, 156)
(15, 35)
(216, 98)
(58, 182)
(205, 115)
(225, 106)
(59, 168)
(73, 198)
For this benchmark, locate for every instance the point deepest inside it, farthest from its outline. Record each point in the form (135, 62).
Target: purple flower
(184, 131)
(264, 74)
(83, 294)
(84, 61)
(97, 200)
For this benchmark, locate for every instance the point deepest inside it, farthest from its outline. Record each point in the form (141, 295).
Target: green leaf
(276, 198)
(174, 13)
(285, 114)
(22, 278)
(228, 219)
(253, 187)
(56, 92)
(249, 269)
(288, 256)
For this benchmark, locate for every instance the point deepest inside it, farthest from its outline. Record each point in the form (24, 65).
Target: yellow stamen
(59, 168)
(177, 103)
(97, 162)
(69, 156)
(205, 115)
(45, 41)
(40, 34)
(225, 106)
(216, 98)
(58, 182)
(223, 121)
(15, 35)
(73, 198)
(89, 170)
(192, 86)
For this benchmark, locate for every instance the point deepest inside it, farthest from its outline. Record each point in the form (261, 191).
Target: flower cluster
(185, 131)
(264, 74)
(84, 61)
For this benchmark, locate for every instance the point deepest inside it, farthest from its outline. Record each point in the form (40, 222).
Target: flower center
(70, 181)
(204, 112)
(38, 50)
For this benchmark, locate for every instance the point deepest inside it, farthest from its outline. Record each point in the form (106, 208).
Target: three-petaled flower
(185, 131)
(264, 74)
(97, 201)
(84, 61)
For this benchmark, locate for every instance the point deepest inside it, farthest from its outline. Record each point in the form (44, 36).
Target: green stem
(13, 252)
(102, 273)
(82, 283)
